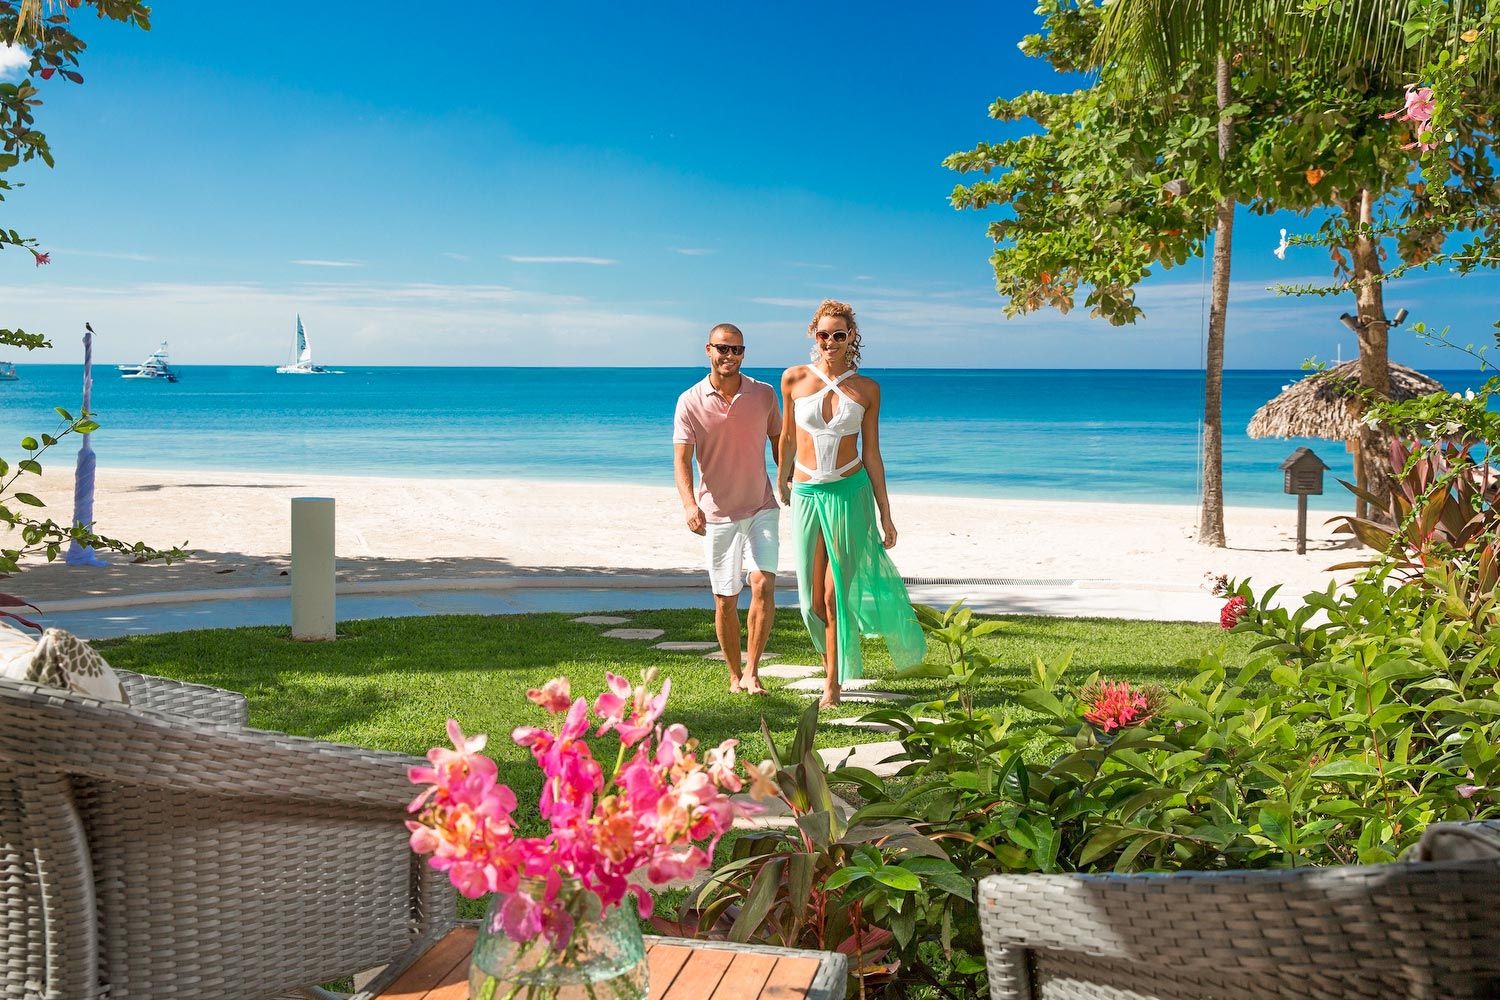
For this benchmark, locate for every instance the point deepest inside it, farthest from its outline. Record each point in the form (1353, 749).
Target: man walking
(725, 421)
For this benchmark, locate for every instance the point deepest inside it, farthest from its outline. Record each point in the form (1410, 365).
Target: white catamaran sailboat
(303, 365)
(154, 367)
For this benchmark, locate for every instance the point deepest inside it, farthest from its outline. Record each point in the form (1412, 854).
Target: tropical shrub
(1443, 514)
(1362, 717)
(866, 884)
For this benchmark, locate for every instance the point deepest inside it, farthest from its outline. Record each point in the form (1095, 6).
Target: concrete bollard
(312, 569)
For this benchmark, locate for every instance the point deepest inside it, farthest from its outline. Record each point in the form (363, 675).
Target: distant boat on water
(302, 355)
(154, 367)
(8, 372)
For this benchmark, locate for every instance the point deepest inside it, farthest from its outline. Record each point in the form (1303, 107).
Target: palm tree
(1154, 39)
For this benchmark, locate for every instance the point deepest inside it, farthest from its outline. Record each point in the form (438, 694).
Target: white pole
(312, 569)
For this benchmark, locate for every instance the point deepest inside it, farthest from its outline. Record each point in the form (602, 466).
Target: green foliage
(1360, 718)
(1122, 179)
(862, 883)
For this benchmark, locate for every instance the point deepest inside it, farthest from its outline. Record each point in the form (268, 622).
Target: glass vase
(604, 959)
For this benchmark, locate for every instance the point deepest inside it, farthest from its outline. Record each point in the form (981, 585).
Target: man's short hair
(727, 328)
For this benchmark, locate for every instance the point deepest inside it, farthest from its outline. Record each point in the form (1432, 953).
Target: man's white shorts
(735, 548)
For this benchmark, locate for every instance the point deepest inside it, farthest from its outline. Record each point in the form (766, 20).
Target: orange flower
(1313, 176)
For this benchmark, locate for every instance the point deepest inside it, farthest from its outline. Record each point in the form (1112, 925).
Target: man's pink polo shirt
(729, 439)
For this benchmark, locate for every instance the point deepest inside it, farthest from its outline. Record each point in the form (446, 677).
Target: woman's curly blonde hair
(845, 312)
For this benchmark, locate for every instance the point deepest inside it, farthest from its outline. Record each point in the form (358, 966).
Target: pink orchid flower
(660, 813)
(553, 695)
(721, 766)
(763, 781)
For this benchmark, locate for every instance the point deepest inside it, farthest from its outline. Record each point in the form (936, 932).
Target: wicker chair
(1423, 930)
(162, 849)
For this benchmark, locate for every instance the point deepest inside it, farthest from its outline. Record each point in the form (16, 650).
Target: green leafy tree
(1130, 173)
(45, 32)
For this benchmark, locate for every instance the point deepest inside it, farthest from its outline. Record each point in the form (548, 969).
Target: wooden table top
(680, 970)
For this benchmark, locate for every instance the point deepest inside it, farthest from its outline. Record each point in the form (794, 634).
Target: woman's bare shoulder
(793, 375)
(865, 386)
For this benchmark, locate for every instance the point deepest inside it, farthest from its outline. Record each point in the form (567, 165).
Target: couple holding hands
(829, 472)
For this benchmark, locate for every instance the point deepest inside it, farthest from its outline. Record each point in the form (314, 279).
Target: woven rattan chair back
(1398, 930)
(162, 849)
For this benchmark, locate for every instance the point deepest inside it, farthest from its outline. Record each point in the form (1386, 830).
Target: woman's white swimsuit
(848, 415)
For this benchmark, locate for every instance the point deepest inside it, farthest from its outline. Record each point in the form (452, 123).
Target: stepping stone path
(874, 727)
(635, 633)
(774, 814)
(601, 620)
(816, 684)
(857, 690)
(871, 726)
(871, 756)
(686, 647)
(718, 654)
(790, 671)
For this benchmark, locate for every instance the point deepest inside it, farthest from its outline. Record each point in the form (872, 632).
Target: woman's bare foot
(830, 697)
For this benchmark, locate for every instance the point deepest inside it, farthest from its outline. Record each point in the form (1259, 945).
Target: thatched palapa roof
(1323, 404)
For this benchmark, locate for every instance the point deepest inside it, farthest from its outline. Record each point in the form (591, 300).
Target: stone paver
(774, 814)
(816, 684)
(635, 633)
(601, 620)
(686, 647)
(790, 671)
(871, 756)
(860, 697)
(744, 657)
(874, 727)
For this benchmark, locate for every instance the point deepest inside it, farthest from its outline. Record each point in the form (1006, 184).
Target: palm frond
(1155, 38)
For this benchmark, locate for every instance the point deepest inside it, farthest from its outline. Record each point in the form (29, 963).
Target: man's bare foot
(751, 684)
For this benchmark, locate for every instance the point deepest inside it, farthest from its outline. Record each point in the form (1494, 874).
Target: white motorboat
(154, 367)
(302, 363)
(8, 372)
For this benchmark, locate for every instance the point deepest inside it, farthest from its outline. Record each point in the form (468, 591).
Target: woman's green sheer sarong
(871, 598)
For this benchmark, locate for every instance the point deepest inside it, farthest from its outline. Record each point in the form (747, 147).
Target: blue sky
(585, 184)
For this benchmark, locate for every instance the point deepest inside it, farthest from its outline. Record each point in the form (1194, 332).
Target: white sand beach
(393, 529)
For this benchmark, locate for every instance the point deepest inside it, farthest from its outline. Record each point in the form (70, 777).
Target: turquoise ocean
(1129, 436)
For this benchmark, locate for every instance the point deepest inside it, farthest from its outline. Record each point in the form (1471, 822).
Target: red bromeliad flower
(1234, 609)
(41, 258)
(1118, 704)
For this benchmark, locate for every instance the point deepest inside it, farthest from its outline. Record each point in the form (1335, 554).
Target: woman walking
(831, 475)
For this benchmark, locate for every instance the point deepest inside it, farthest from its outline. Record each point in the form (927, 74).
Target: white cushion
(58, 659)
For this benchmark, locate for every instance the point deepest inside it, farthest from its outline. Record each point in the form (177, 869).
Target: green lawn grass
(391, 683)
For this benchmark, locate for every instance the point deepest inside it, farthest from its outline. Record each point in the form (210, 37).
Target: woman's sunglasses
(734, 349)
(837, 336)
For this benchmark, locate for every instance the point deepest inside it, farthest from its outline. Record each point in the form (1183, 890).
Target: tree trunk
(1374, 353)
(1211, 521)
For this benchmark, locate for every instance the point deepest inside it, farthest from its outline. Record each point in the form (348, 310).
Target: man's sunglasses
(734, 349)
(837, 336)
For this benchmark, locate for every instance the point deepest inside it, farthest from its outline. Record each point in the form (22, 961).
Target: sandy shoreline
(391, 529)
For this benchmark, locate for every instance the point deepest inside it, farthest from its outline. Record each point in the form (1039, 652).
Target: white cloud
(330, 263)
(694, 251)
(354, 323)
(600, 261)
(62, 252)
(13, 60)
(457, 256)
